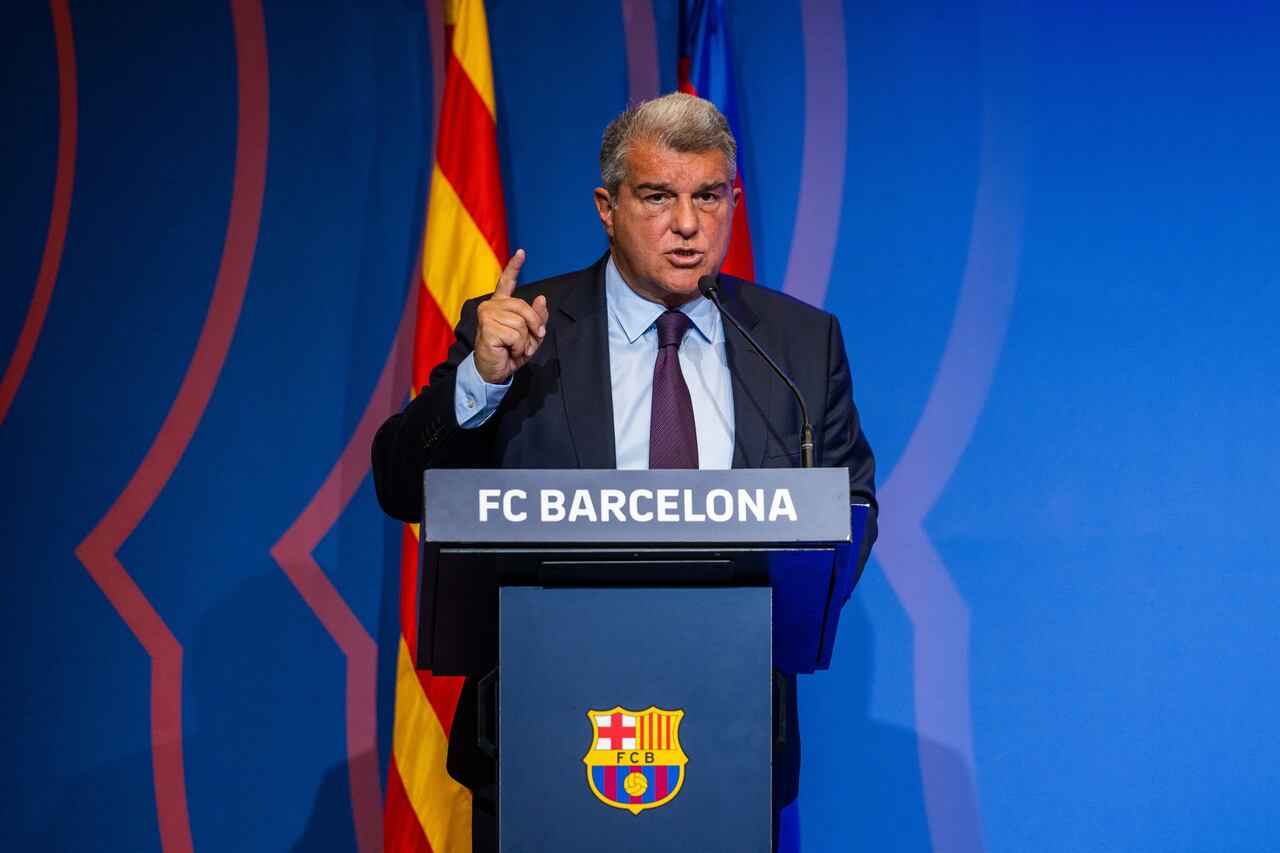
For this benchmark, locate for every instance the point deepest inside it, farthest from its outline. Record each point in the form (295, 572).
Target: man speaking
(625, 365)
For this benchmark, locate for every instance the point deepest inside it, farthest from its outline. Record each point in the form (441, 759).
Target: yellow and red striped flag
(464, 251)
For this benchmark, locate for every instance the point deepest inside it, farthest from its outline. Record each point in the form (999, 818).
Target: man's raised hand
(510, 329)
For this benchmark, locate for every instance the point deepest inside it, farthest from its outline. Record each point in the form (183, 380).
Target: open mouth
(685, 257)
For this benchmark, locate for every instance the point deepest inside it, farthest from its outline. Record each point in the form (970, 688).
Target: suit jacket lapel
(752, 380)
(580, 333)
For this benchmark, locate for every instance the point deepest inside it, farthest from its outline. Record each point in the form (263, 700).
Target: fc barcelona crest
(635, 761)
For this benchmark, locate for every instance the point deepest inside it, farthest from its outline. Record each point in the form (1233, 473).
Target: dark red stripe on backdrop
(98, 550)
(55, 240)
(295, 553)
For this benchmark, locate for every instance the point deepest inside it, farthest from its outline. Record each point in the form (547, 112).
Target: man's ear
(605, 208)
(737, 195)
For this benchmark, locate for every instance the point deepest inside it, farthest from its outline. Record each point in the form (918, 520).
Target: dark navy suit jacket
(558, 413)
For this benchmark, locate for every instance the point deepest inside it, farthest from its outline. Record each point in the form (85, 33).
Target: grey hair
(677, 121)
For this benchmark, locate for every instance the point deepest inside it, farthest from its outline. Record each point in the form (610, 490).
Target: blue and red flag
(706, 70)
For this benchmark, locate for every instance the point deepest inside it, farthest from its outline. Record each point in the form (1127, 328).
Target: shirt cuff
(474, 400)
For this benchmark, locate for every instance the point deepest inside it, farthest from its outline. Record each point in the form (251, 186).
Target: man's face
(670, 224)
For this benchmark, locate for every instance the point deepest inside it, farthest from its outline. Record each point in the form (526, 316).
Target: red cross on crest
(614, 730)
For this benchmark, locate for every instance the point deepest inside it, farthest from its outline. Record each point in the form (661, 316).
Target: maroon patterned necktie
(673, 437)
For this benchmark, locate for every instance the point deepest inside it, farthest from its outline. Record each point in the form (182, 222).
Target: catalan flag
(464, 251)
(706, 70)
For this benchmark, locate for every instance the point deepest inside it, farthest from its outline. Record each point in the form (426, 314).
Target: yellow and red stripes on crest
(464, 249)
(654, 731)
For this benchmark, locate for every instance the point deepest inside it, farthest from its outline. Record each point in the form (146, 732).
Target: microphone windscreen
(707, 284)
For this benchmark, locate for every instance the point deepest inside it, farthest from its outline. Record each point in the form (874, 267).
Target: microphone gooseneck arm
(711, 289)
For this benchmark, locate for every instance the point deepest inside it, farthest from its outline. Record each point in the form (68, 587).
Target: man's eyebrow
(663, 187)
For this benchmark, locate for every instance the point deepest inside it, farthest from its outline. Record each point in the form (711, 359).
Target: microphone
(710, 288)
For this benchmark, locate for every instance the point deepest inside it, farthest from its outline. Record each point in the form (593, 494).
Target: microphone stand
(711, 290)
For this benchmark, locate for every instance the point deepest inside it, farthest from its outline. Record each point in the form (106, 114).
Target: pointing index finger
(507, 281)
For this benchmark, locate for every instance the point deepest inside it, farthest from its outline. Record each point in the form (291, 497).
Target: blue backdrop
(1049, 231)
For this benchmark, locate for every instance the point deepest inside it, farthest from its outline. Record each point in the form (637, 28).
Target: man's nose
(684, 217)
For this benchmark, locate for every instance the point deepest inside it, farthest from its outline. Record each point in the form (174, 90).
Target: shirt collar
(636, 315)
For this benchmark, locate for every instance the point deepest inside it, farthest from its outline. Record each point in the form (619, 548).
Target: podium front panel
(635, 719)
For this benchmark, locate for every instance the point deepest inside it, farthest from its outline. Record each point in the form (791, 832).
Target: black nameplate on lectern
(789, 529)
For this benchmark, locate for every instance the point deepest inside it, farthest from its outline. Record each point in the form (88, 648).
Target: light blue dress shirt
(633, 349)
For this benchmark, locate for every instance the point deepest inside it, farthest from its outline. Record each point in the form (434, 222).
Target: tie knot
(672, 325)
